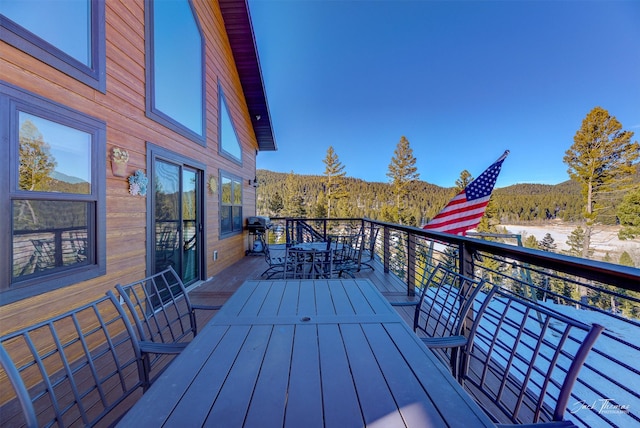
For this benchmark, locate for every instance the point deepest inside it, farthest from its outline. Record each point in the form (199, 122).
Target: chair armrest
(162, 348)
(403, 303)
(444, 342)
(207, 307)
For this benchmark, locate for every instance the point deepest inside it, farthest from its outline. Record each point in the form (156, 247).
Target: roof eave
(237, 21)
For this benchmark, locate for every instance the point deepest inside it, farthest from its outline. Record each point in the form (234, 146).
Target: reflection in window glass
(53, 157)
(228, 137)
(230, 205)
(49, 235)
(177, 64)
(237, 192)
(65, 24)
(226, 190)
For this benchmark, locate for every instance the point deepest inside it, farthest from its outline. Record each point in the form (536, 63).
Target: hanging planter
(138, 183)
(119, 162)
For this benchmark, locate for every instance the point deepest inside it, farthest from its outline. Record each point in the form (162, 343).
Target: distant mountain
(66, 178)
(519, 203)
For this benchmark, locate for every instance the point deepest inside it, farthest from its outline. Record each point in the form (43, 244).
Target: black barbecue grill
(257, 227)
(258, 224)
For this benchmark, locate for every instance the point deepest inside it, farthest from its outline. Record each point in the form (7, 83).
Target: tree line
(604, 187)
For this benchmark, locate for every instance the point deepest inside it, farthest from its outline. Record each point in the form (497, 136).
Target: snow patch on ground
(604, 239)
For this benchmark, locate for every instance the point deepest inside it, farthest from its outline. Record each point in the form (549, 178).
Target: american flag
(466, 209)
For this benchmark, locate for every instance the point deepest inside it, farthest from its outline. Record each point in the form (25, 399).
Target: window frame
(234, 178)
(94, 76)
(13, 100)
(154, 113)
(224, 153)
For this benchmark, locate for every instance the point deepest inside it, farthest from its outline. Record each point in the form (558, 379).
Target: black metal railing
(607, 392)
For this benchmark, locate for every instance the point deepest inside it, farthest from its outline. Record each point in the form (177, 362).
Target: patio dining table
(306, 353)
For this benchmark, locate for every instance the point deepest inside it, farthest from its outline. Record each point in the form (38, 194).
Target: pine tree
(276, 204)
(293, 201)
(463, 181)
(531, 242)
(547, 243)
(575, 241)
(601, 160)
(629, 215)
(626, 260)
(402, 172)
(334, 173)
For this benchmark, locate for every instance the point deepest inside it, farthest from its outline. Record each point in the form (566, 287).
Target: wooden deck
(217, 290)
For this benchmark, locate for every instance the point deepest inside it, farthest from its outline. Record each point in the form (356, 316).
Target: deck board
(217, 290)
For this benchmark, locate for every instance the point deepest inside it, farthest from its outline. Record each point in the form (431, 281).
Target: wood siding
(123, 110)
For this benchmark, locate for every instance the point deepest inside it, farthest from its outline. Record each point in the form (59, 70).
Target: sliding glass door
(177, 219)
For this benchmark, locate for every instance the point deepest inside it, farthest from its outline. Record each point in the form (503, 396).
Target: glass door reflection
(177, 225)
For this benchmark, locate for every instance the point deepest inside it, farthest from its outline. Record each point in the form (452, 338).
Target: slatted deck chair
(370, 238)
(442, 309)
(164, 319)
(308, 264)
(522, 360)
(78, 368)
(276, 263)
(347, 254)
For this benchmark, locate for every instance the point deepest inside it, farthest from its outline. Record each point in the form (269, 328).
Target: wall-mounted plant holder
(119, 162)
(138, 183)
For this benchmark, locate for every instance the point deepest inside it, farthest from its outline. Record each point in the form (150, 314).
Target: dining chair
(164, 318)
(308, 264)
(442, 309)
(347, 251)
(522, 360)
(75, 369)
(275, 262)
(370, 237)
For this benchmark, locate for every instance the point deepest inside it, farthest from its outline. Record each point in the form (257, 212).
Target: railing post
(385, 249)
(465, 261)
(411, 264)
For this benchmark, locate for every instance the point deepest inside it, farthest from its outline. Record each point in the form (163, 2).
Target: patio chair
(369, 247)
(163, 316)
(77, 368)
(308, 264)
(347, 251)
(441, 311)
(276, 263)
(522, 360)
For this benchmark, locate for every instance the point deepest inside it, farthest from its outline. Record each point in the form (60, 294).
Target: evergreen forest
(513, 204)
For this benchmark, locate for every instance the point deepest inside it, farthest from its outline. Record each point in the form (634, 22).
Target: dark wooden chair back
(77, 368)
(522, 359)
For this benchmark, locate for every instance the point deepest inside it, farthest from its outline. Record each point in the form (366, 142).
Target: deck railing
(608, 389)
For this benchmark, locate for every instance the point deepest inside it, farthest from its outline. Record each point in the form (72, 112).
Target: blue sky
(462, 80)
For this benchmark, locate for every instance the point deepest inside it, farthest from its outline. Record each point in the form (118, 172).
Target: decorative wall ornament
(119, 161)
(138, 183)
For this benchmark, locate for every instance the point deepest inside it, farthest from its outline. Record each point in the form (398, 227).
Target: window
(229, 144)
(175, 68)
(55, 194)
(230, 204)
(67, 35)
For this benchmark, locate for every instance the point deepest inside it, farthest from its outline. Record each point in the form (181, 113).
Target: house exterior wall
(122, 108)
